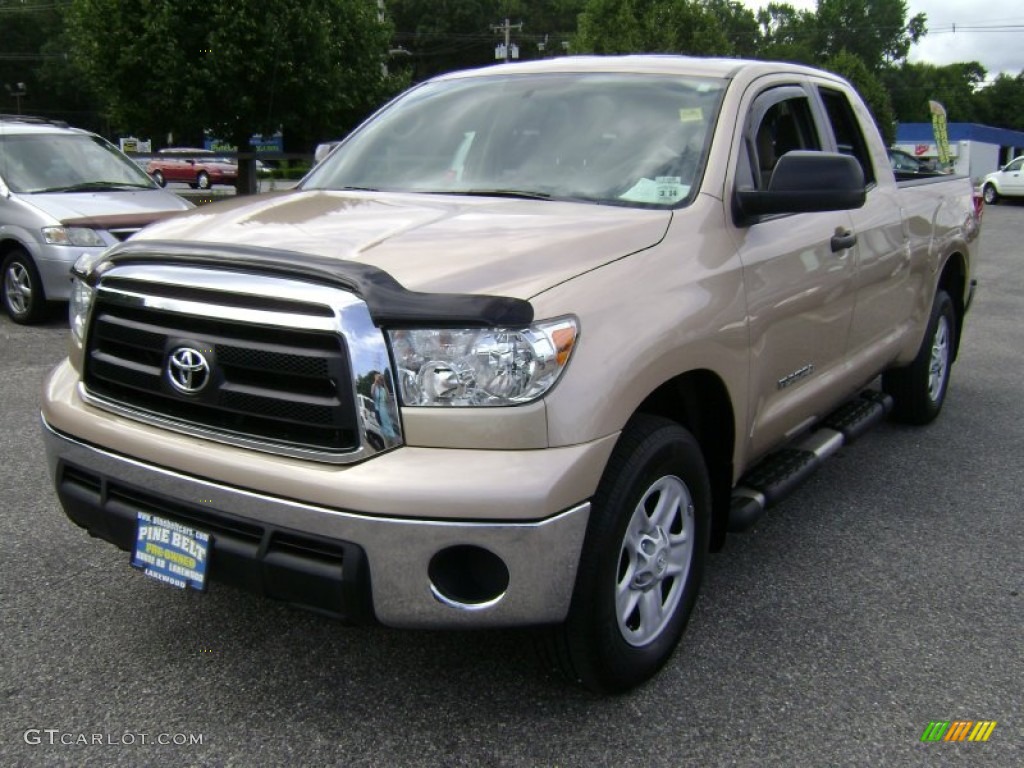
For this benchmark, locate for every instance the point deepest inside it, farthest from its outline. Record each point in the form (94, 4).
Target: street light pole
(17, 92)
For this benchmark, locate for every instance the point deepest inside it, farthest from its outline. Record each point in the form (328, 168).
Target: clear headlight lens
(78, 309)
(82, 237)
(481, 366)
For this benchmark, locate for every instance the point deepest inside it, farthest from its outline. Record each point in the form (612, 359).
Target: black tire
(203, 180)
(989, 194)
(604, 644)
(21, 289)
(919, 389)
(158, 177)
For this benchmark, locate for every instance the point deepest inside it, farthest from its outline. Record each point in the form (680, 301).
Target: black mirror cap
(806, 182)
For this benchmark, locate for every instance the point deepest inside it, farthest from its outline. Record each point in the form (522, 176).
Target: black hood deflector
(389, 302)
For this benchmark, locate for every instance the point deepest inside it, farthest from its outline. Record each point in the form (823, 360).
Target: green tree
(313, 68)
(445, 35)
(31, 53)
(661, 26)
(1000, 103)
(955, 86)
(787, 34)
(876, 31)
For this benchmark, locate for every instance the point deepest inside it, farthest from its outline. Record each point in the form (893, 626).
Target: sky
(960, 30)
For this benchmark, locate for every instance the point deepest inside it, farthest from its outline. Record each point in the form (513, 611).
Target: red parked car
(199, 168)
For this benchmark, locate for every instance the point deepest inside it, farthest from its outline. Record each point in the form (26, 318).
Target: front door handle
(842, 240)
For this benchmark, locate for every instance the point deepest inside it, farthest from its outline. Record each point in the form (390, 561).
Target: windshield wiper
(517, 193)
(97, 186)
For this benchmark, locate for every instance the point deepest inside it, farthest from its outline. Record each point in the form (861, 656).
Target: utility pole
(507, 51)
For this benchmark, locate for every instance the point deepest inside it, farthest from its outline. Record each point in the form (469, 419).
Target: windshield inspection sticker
(664, 190)
(170, 552)
(691, 115)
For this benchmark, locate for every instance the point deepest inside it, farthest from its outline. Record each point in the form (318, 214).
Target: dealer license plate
(170, 552)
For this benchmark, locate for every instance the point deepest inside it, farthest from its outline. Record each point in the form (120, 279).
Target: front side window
(32, 163)
(786, 125)
(607, 138)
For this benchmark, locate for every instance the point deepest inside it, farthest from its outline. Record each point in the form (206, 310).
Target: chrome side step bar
(782, 472)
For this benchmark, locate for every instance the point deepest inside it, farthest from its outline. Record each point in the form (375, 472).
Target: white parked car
(1008, 181)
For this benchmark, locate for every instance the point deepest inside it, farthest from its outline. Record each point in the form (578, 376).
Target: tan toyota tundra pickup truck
(520, 351)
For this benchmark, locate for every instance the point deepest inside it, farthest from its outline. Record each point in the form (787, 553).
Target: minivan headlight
(481, 366)
(82, 237)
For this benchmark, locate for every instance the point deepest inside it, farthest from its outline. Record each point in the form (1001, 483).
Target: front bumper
(355, 566)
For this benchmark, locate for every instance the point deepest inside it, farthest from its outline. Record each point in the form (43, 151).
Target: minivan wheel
(22, 289)
(990, 194)
(642, 561)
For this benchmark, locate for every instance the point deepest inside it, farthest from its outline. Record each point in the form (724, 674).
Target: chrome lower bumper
(541, 557)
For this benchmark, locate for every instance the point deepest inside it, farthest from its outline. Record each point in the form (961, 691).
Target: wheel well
(8, 245)
(699, 401)
(954, 282)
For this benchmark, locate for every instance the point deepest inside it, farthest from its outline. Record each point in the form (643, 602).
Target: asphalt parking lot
(883, 595)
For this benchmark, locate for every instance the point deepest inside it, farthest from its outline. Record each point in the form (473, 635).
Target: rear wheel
(919, 389)
(22, 289)
(642, 561)
(990, 194)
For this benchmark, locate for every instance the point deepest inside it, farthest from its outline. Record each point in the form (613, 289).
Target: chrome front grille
(276, 372)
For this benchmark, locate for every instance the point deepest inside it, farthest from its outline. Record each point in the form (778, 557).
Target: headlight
(77, 236)
(78, 309)
(481, 366)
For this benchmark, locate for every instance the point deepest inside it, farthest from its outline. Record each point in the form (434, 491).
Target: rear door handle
(843, 240)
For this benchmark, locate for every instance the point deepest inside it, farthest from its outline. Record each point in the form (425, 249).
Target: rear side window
(849, 137)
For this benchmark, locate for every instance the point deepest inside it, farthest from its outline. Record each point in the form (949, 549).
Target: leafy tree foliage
(30, 53)
(955, 86)
(234, 67)
(786, 34)
(876, 31)
(1000, 103)
(445, 35)
(697, 27)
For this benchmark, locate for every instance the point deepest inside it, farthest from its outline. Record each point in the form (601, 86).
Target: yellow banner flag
(939, 129)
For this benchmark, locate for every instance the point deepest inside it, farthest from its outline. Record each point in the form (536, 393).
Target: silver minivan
(64, 192)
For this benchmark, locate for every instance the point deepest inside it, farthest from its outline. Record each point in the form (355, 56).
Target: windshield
(613, 138)
(66, 163)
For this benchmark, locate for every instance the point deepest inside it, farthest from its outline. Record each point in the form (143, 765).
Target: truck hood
(435, 243)
(83, 207)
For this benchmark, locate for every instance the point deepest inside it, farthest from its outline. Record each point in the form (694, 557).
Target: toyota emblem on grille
(188, 370)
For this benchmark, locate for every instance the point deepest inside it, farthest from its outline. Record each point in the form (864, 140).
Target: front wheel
(158, 177)
(642, 562)
(990, 195)
(203, 180)
(22, 288)
(919, 389)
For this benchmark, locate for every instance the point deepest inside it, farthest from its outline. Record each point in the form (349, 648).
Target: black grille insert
(285, 387)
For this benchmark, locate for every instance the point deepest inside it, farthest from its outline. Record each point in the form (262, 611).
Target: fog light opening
(467, 577)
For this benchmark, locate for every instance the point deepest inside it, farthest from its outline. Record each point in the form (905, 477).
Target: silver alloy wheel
(938, 367)
(989, 194)
(18, 288)
(654, 561)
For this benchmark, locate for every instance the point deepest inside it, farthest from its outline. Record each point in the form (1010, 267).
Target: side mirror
(805, 182)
